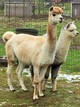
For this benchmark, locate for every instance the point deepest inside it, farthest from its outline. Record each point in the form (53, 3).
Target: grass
(72, 63)
(2, 50)
(68, 94)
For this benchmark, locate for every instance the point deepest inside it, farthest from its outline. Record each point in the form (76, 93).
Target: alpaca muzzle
(61, 20)
(77, 33)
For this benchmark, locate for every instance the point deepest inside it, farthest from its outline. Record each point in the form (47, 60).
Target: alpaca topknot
(57, 10)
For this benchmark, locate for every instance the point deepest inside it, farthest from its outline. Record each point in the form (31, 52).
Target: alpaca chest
(47, 59)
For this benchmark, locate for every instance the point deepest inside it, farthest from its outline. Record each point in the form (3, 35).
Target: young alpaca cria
(38, 51)
(62, 48)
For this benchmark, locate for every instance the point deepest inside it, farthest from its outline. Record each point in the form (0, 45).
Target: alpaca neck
(51, 31)
(62, 47)
(51, 37)
(48, 49)
(64, 41)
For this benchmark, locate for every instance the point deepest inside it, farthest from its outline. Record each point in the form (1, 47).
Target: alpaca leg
(46, 77)
(54, 83)
(36, 82)
(19, 73)
(9, 77)
(41, 94)
(11, 62)
(54, 73)
(32, 73)
(41, 79)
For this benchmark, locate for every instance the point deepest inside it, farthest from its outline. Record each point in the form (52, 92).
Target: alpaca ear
(63, 8)
(68, 25)
(51, 8)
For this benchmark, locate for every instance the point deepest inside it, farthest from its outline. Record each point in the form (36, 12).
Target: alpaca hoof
(32, 85)
(25, 89)
(41, 95)
(12, 89)
(54, 91)
(35, 97)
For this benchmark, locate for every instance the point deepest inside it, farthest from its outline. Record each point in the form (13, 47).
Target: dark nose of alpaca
(77, 33)
(61, 19)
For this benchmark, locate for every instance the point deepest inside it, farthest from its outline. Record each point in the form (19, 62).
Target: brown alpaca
(38, 51)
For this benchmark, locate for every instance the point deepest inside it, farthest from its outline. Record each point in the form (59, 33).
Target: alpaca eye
(71, 30)
(54, 15)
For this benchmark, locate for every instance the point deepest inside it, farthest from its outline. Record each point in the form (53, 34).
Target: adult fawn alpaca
(62, 47)
(37, 51)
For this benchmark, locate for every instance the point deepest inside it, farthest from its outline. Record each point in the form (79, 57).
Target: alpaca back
(32, 47)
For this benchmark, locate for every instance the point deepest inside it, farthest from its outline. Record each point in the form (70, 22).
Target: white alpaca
(36, 50)
(62, 48)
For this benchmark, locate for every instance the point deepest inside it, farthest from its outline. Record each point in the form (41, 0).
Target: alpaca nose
(77, 33)
(61, 19)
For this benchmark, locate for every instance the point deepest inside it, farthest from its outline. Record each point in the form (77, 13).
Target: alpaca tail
(7, 35)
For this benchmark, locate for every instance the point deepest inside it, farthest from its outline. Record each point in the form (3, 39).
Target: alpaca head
(55, 15)
(71, 29)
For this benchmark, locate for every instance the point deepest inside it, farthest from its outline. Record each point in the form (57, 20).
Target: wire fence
(33, 14)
